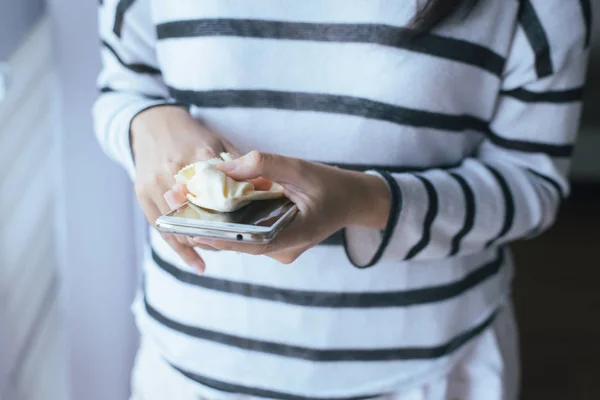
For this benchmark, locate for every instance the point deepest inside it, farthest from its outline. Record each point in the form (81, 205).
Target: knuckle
(258, 159)
(152, 181)
(206, 153)
(173, 167)
(261, 162)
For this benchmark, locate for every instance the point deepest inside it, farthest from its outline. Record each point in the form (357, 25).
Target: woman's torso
(334, 82)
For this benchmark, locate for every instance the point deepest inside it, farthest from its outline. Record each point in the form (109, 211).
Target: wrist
(372, 200)
(152, 117)
(151, 121)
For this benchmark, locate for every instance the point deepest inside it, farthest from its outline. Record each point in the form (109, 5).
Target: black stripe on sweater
(537, 37)
(509, 213)
(328, 103)
(135, 67)
(107, 89)
(553, 150)
(557, 187)
(586, 9)
(555, 96)
(337, 239)
(386, 35)
(432, 211)
(238, 389)
(400, 298)
(360, 107)
(320, 355)
(122, 8)
(392, 169)
(470, 210)
(390, 227)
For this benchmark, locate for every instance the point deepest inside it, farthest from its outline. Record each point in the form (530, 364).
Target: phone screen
(258, 213)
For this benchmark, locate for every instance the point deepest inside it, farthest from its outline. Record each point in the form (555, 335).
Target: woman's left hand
(328, 200)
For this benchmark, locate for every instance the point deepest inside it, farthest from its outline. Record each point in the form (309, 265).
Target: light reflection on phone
(258, 213)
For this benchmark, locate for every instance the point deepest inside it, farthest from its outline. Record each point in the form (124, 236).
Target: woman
(433, 133)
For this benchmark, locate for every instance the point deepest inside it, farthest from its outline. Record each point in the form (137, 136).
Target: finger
(293, 235)
(181, 189)
(174, 198)
(182, 239)
(150, 210)
(163, 207)
(262, 184)
(288, 240)
(187, 254)
(189, 241)
(160, 201)
(287, 256)
(255, 165)
(248, 248)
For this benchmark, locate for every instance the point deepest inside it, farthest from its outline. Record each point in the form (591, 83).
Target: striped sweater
(475, 122)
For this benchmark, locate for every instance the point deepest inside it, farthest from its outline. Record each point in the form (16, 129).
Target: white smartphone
(258, 222)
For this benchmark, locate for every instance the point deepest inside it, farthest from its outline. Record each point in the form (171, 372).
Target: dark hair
(434, 12)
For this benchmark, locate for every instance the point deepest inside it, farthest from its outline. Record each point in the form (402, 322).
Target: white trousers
(489, 370)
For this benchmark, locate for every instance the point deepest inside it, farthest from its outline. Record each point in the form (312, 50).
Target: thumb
(256, 164)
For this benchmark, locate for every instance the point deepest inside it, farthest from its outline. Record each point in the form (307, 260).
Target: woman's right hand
(165, 139)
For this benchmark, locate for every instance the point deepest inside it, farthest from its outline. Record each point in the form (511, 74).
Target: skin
(328, 200)
(165, 139)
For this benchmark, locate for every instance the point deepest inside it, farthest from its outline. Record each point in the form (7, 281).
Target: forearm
(479, 205)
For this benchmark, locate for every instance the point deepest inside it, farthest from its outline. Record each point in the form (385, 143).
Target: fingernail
(169, 199)
(227, 166)
(199, 267)
(181, 188)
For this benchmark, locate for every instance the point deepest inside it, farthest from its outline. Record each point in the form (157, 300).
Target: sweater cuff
(365, 246)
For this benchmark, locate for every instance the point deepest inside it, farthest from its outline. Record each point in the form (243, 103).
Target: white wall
(32, 359)
(17, 18)
(99, 258)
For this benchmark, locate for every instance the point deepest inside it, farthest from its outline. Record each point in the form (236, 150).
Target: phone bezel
(222, 230)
